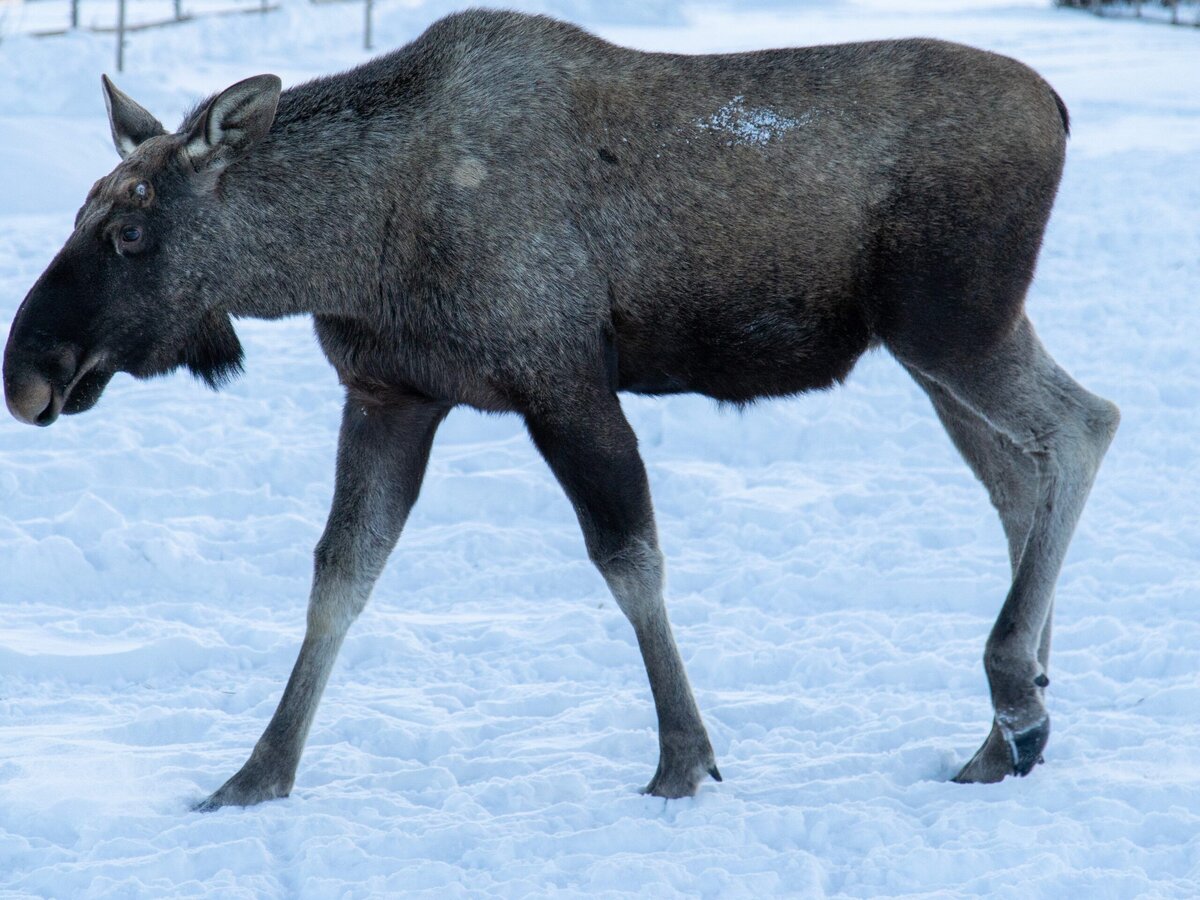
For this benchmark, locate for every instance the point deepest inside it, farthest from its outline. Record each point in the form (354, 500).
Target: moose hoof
(676, 778)
(247, 788)
(1006, 752)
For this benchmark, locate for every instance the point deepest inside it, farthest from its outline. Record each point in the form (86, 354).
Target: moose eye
(130, 238)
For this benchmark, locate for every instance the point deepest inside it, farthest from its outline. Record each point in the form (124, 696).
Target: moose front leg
(593, 453)
(383, 449)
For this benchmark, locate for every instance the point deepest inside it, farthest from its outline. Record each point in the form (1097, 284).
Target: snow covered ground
(833, 567)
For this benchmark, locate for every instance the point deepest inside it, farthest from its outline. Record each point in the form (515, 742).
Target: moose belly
(725, 353)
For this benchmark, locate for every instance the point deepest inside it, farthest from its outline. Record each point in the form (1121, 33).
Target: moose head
(136, 286)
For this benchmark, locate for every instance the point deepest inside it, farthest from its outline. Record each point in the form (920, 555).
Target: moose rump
(514, 215)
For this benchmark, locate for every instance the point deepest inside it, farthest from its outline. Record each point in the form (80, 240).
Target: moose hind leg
(593, 453)
(1009, 475)
(1011, 479)
(1061, 432)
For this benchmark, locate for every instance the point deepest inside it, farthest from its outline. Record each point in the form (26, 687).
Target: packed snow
(833, 567)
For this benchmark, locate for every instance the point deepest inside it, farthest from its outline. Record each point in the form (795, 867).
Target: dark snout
(39, 389)
(30, 394)
(45, 376)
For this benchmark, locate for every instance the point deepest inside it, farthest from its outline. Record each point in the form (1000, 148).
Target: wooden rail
(122, 27)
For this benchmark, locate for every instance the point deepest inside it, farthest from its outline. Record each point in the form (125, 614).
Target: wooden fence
(122, 26)
(1176, 12)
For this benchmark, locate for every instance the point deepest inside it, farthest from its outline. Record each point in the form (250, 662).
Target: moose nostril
(47, 415)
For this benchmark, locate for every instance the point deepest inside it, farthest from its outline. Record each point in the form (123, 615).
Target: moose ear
(234, 121)
(130, 122)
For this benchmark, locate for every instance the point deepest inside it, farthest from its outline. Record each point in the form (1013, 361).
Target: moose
(511, 214)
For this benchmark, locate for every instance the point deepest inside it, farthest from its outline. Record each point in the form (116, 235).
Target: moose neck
(313, 216)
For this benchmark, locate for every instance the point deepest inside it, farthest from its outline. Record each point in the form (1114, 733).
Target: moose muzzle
(38, 387)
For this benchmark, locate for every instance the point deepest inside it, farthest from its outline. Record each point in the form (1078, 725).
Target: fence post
(74, 13)
(178, 10)
(367, 26)
(120, 35)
